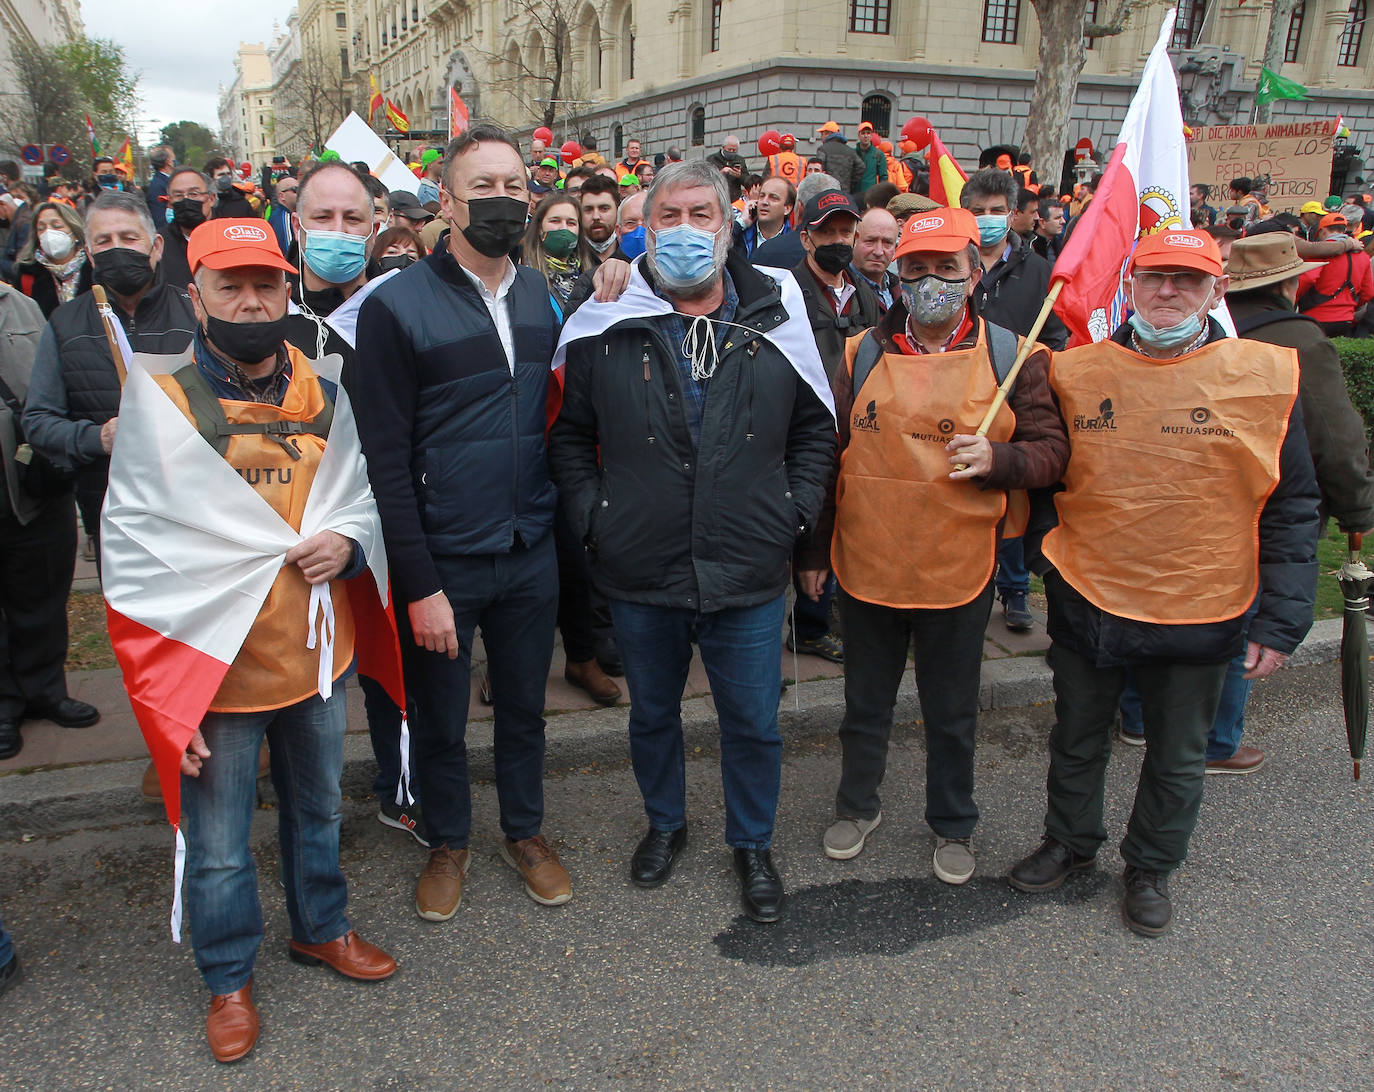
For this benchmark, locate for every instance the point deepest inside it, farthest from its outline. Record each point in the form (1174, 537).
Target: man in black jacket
(1189, 496)
(840, 160)
(690, 505)
(72, 410)
(189, 200)
(450, 393)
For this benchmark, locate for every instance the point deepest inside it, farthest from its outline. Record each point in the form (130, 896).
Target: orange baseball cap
(1004, 162)
(865, 125)
(942, 230)
(1178, 250)
(1333, 219)
(829, 127)
(233, 244)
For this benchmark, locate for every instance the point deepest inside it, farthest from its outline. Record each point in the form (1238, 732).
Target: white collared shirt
(498, 303)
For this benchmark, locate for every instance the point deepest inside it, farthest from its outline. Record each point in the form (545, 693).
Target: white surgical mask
(57, 245)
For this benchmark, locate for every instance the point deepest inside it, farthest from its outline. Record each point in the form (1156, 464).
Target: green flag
(1273, 86)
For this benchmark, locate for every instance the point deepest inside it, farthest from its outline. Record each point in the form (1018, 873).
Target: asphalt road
(879, 977)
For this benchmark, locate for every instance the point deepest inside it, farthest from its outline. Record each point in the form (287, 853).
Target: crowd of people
(645, 405)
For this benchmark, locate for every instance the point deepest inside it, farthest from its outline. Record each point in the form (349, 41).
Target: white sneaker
(954, 861)
(845, 837)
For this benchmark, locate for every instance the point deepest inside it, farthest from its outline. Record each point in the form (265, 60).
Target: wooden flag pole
(107, 317)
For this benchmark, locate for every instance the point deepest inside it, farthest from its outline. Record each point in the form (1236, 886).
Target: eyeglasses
(193, 195)
(1189, 282)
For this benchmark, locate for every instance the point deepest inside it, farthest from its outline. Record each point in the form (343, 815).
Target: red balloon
(919, 131)
(770, 143)
(543, 133)
(570, 151)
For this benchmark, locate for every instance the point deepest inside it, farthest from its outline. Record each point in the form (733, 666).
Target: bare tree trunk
(1060, 61)
(1275, 42)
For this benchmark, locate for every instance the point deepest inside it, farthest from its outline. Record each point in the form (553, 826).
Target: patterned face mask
(933, 300)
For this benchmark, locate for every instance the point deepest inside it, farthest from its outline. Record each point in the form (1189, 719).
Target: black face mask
(495, 224)
(188, 213)
(396, 261)
(246, 342)
(123, 271)
(833, 257)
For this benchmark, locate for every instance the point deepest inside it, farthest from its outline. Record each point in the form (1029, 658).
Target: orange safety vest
(905, 535)
(273, 668)
(898, 175)
(1170, 465)
(786, 165)
(621, 170)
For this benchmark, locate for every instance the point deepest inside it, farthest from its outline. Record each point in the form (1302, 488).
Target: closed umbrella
(1355, 578)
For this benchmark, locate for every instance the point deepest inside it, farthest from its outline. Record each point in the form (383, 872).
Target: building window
(627, 43)
(715, 25)
(870, 16)
(1090, 16)
(877, 111)
(1290, 49)
(1001, 20)
(698, 126)
(618, 140)
(340, 20)
(414, 12)
(1352, 35)
(343, 63)
(1188, 27)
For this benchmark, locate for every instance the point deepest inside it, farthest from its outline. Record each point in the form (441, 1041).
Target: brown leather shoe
(232, 1026)
(1246, 760)
(546, 880)
(151, 787)
(588, 676)
(440, 887)
(350, 955)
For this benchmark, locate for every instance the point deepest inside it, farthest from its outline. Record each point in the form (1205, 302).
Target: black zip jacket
(1012, 292)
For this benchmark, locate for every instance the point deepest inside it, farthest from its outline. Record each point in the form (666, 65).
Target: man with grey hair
(693, 543)
(73, 403)
(189, 202)
(730, 164)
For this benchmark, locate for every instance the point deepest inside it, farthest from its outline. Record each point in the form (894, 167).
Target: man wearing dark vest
(921, 505)
(1189, 495)
(260, 403)
(453, 375)
(1263, 271)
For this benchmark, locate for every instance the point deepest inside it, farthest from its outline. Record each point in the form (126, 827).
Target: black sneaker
(828, 646)
(1146, 909)
(408, 819)
(1015, 612)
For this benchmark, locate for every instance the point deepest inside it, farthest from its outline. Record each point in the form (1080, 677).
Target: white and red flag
(189, 552)
(1144, 189)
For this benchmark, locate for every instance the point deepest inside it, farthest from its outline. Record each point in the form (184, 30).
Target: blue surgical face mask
(992, 229)
(1168, 337)
(335, 256)
(633, 242)
(684, 256)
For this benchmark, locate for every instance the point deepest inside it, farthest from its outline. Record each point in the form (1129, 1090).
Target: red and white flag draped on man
(1144, 189)
(189, 553)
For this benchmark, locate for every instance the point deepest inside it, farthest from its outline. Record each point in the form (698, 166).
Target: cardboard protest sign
(1294, 156)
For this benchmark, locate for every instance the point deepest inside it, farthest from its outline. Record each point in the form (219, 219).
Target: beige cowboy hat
(1258, 261)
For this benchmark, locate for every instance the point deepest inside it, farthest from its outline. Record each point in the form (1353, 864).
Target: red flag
(457, 113)
(1144, 189)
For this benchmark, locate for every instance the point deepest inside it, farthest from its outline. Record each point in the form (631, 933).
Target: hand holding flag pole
(107, 318)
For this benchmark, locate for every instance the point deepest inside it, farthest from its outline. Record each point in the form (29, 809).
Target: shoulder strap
(1002, 349)
(214, 426)
(865, 360)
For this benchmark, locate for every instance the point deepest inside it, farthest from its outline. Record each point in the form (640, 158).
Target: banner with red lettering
(1294, 157)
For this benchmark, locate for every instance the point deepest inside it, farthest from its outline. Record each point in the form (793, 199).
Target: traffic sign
(58, 154)
(32, 154)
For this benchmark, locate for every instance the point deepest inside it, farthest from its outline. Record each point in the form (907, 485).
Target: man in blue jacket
(451, 385)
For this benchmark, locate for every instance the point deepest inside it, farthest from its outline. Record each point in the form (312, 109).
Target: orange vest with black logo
(1170, 465)
(905, 535)
(274, 668)
(786, 165)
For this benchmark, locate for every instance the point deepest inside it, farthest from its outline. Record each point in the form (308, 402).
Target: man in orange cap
(916, 513)
(839, 160)
(1337, 292)
(1189, 497)
(260, 403)
(786, 164)
(875, 163)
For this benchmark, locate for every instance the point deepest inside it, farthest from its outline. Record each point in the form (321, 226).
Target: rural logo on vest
(1105, 421)
(867, 422)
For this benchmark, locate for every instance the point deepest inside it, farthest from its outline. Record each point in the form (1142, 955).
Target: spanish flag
(947, 178)
(398, 120)
(375, 102)
(126, 156)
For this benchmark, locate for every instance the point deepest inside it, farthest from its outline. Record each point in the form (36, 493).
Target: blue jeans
(742, 651)
(1224, 737)
(514, 598)
(6, 946)
(221, 883)
(1012, 576)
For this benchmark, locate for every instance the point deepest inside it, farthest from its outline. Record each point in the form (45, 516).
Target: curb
(106, 794)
